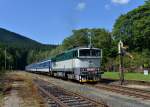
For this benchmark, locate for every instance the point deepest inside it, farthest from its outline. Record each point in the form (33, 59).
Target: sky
(50, 21)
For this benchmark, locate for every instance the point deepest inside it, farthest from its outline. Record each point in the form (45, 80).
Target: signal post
(121, 68)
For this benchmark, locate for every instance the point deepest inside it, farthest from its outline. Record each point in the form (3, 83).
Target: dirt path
(20, 92)
(13, 100)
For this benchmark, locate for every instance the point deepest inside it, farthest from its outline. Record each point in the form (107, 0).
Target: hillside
(20, 50)
(12, 39)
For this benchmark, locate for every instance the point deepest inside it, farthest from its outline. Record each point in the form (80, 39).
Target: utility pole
(121, 54)
(90, 37)
(5, 59)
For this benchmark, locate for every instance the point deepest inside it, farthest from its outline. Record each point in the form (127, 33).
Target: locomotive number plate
(90, 69)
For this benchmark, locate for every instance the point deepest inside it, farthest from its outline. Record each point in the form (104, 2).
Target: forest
(133, 28)
(16, 51)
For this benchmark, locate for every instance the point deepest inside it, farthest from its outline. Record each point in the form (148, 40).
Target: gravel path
(111, 99)
(12, 100)
(20, 92)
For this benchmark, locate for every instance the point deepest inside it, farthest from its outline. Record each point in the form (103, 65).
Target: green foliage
(78, 38)
(19, 50)
(133, 28)
(140, 59)
(36, 55)
(100, 39)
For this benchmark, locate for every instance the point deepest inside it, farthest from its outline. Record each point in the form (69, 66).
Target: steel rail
(53, 97)
(66, 98)
(125, 91)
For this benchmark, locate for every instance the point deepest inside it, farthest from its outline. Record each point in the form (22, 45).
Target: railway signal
(122, 52)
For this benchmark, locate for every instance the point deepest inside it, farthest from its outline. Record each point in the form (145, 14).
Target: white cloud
(121, 1)
(107, 7)
(81, 6)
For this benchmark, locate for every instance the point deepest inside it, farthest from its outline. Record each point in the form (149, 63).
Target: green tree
(78, 38)
(133, 28)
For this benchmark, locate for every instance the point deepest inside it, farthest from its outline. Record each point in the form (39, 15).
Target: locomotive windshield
(89, 52)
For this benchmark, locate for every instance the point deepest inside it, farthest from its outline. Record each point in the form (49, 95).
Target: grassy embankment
(128, 76)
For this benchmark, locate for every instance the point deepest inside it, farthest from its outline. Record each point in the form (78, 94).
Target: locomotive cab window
(89, 52)
(95, 52)
(84, 52)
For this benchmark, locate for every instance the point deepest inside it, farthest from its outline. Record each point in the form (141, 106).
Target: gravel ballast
(109, 98)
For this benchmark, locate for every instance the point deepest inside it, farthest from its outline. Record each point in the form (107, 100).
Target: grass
(128, 76)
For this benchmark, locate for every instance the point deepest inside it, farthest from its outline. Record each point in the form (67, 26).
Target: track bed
(59, 97)
(137, 93)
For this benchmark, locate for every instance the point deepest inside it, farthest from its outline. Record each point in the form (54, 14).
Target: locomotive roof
(81, 48)
(73, 49)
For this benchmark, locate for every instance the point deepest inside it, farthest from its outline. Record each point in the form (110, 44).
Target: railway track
(58, 97)
(138, 82)
(138, 93)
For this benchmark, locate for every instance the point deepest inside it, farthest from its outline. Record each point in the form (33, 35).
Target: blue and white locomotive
(81, 64)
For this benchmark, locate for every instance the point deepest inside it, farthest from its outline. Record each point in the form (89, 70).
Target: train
(82, 64)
